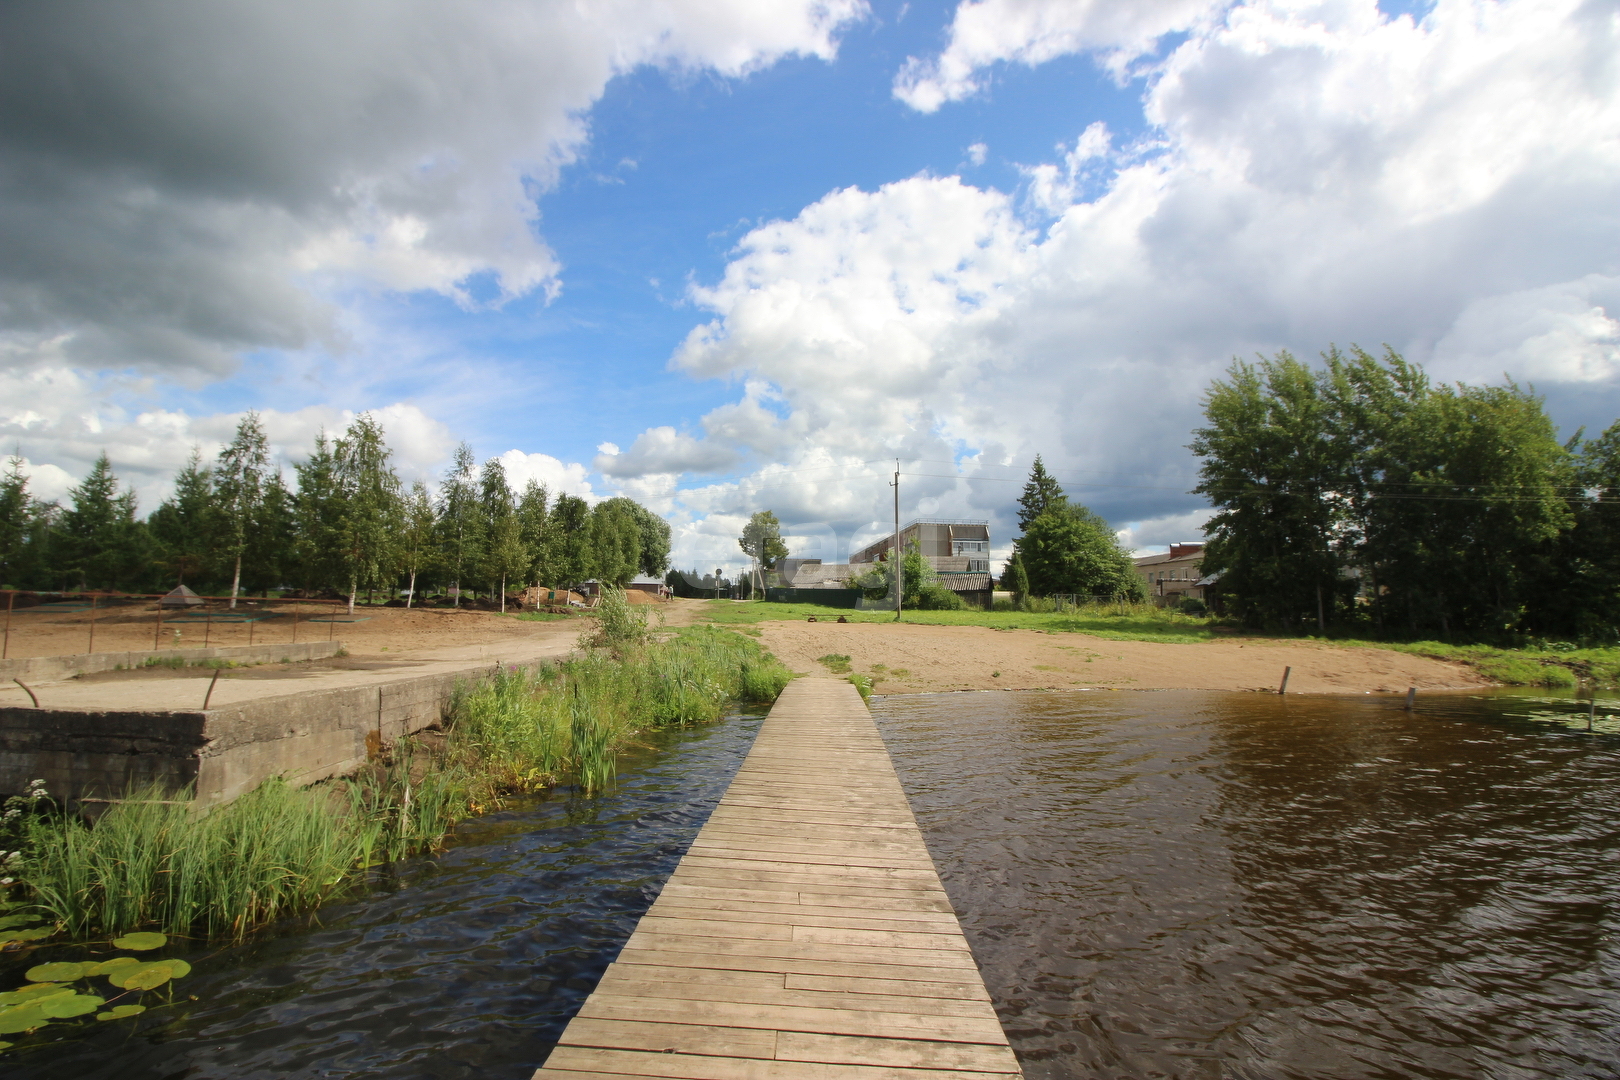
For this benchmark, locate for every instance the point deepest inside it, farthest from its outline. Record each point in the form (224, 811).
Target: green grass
(1137, 622)
(1553, 666)
(837, 663)
(153, 860)
(540, 616)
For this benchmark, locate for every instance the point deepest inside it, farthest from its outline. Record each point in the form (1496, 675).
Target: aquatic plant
(152, 859)
(63, 991)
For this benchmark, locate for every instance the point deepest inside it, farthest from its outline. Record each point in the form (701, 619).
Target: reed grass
(151, 860)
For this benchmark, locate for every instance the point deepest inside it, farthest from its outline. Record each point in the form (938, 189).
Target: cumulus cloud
(1031, 32)
(67, 419)
(180, 182)
(1322, 174)
(558, 477)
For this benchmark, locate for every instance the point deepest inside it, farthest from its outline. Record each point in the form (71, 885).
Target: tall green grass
(152, 860)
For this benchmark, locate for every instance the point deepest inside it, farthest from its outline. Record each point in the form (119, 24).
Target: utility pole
(899, 558)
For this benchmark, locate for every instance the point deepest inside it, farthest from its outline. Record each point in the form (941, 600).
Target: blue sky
(729, 255)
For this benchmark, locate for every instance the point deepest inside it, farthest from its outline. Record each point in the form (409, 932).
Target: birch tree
(239, 492)
(369, 523)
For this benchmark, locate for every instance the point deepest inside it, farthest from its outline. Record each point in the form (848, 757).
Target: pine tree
(416, 536)
(1041, 493)
(181, 525)
(1016, 581)
(16, 511)
(239, 493)
(369, 518)
(90, 528)
(317, 507)
(269, 558)
(459, 533)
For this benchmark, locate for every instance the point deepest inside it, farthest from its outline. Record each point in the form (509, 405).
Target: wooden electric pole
(899, 558)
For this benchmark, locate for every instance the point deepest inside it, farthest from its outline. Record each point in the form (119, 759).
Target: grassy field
(1553, 665)
(1137, 622)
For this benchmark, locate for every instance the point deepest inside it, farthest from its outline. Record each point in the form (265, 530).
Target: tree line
(1358, 491)
(346, 525)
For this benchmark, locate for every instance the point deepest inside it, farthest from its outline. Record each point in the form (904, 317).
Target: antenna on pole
(899, 558)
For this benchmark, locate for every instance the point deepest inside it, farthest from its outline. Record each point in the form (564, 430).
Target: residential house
(1175, 575)
(958, 551)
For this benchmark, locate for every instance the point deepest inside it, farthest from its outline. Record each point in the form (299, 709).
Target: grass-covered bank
(1124, 622)
(152, 861)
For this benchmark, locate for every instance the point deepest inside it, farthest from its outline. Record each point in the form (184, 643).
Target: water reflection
(1212, 885)
(468, 965)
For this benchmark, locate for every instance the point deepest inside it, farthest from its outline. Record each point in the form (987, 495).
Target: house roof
(1167, 557)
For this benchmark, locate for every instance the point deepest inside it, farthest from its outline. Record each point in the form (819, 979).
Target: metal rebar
(11, 598)
(92, 646)
(29, 690)
(210, 695)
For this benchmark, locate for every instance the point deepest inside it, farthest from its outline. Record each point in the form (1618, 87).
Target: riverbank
(908, 658)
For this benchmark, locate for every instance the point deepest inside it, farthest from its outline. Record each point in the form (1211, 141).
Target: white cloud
(270, 156)
(1032, 32)
(559, 477)
(977, 153)
(1155, 535)
(1322, 174)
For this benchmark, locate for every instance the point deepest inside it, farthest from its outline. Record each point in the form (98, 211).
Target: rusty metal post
(210, 695)
(157, 630)
(208, 626)
(92, 646)
(1283, 689)
(11, 598)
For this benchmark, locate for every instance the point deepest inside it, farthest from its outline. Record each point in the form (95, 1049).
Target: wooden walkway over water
(804, 935)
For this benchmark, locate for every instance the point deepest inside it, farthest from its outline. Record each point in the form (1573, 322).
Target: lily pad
(22, 1018)
(107, 967)
(35, 934)
(66, 1006)
(29, 993)
(56, 973)
(118, 1012)
(149, 976)
(141, 942)
(18, 920)
(5, 1045)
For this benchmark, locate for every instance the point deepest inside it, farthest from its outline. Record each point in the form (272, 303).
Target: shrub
(936, 598)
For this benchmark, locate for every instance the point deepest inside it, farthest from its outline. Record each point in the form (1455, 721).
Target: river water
(469, 965)
(1154, 884)
(1239, 885)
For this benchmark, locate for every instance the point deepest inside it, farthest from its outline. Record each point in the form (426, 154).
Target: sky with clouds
(724, 255)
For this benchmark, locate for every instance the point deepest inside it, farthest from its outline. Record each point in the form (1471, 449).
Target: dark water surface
(469, 966)
(1239, 885)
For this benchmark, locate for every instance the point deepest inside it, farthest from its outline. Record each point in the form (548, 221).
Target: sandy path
(376, 631)
(927, 659)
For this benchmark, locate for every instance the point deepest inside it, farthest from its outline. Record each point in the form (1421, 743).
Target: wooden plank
(621, 1063)
(804, 936)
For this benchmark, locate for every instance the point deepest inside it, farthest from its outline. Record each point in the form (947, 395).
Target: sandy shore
(910, 659)
(903, 659)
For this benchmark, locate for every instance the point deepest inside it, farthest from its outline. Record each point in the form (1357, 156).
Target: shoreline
(912, 658)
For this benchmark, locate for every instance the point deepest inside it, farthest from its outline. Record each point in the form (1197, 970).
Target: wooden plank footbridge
(804, 935)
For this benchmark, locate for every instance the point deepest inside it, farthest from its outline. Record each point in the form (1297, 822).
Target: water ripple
(1224, 885)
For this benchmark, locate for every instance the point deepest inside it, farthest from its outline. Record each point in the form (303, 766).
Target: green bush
(936, 598)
